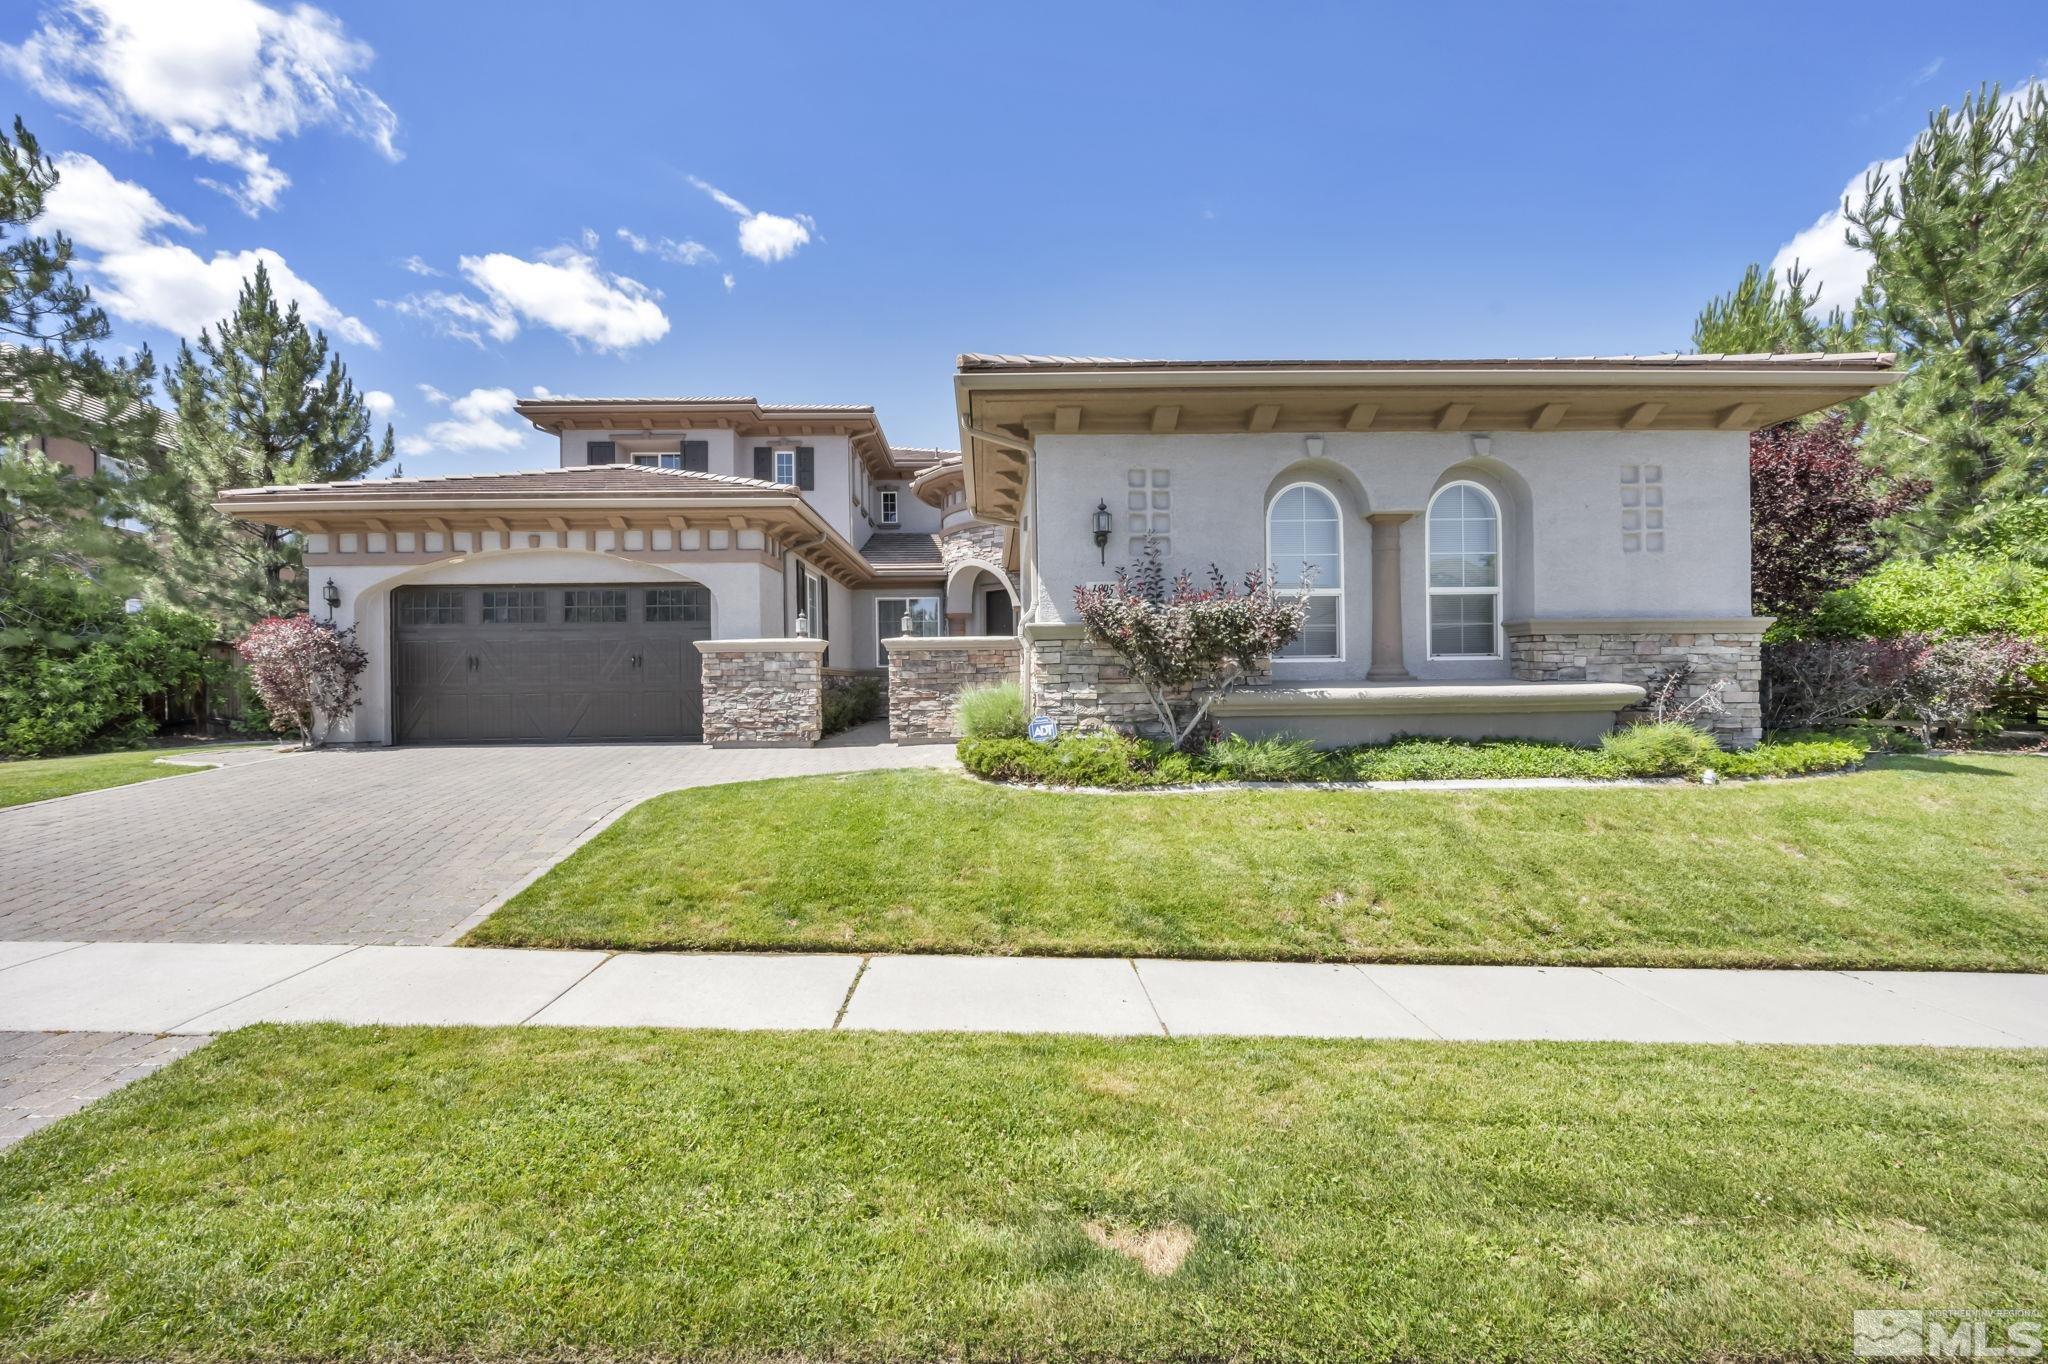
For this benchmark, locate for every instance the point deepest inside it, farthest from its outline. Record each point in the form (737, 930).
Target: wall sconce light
(1105, 522)
(1314, 446)
(332, 596)
(803, 626)
(907, 626)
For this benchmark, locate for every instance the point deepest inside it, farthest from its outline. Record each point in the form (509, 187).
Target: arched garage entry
(539, 662)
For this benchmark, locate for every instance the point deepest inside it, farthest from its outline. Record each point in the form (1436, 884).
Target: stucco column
(1388, 664)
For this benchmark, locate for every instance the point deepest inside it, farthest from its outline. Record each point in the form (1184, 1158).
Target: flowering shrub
(1188, 647)
(303, 668)
(1939, 683)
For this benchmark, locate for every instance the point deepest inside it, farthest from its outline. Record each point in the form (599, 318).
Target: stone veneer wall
(1637, 650)
(927, 675)
(1084, 686)
(762, 692)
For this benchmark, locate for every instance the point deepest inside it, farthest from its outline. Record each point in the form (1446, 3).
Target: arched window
(1305, 537)
(1463, 548)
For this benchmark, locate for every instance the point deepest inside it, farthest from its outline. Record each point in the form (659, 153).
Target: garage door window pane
(515, 608)
(594, 606)
(432, 606)
(690, 605)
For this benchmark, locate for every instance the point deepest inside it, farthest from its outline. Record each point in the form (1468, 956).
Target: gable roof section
(1006, 402)
(904, 550)
(746, 416)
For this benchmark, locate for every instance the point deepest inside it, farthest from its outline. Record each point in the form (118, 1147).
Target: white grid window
(1462, 539)
(1305, 540)
(888, 506)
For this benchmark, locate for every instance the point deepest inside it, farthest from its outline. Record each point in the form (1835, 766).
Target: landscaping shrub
(995, 711)
(1962, 593)
(1234, 758)
(1941, 684)
(1643, 751)
(303, 669)
(854, 701)
(1667, 749)
(1075, 760)
(86, 679)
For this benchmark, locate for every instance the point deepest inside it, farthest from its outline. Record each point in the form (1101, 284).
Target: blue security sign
(1043, 729)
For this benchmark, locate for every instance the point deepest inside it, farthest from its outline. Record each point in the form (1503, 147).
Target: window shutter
(697, 456)
(806, 468)
(601, 452)
(764, 464)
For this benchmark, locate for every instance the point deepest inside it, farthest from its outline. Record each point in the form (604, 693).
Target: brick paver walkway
(46, 1075)
(395, 845)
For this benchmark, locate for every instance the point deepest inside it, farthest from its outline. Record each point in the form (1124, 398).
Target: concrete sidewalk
(193, 988)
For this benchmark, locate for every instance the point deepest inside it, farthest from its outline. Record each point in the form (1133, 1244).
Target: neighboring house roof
(934, 483)
(922, 455)
(1007, 402)
(746, 416)
(94, 410)
(1816, 360)
(900, 550)
(600, 480)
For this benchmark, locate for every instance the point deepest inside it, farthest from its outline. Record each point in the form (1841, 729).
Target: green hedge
(1953, 594)
(1107, 760)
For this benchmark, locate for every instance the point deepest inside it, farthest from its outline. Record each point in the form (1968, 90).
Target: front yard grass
(359, 1194)
(46, 778)
(1917, 862)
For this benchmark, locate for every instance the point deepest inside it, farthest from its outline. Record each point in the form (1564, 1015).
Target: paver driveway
(394, 845)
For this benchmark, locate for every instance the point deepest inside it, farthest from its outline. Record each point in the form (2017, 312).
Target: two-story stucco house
(1492, 547)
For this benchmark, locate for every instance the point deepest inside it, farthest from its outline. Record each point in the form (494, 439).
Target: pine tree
(1757, 317)
(259, 401)
(1959, 277)
(58, 529)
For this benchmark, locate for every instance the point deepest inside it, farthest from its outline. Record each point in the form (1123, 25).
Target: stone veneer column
(763, 693)
(927, 675)
(1389, 663)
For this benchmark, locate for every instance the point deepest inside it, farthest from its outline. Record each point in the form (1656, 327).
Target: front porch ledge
(895, 642)
(794, 645)
(1433, 698)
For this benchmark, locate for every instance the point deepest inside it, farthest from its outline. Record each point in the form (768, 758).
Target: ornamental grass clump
(1235, 758)
(1188, 647)
(995, 711)
(1664, 749)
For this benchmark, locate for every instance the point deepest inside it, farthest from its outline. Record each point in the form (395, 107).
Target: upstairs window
(1463, 552)
(785, 468)
(888, 506)
(1305, 539)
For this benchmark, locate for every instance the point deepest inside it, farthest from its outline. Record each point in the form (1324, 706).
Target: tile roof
(903, 549)
(592, 479)
(1818, 360)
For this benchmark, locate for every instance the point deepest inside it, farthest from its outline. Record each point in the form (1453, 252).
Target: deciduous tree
(1814, 507)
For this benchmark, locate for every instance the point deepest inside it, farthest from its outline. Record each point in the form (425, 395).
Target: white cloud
(141, 276)
(767, 237)
(729, 281)
(563, 289)
(1835, 268)
(219, 78)
(475, 421)
(102, 212)
(1929, 71)
(420, 267)
(685, 252)
(459, 315)
(380, 404)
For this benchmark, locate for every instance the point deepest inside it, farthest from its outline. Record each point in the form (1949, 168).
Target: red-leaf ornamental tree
(1188, 647)
(303, 669)
(1813, 506)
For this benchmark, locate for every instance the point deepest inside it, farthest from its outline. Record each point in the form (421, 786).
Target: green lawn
(1918, 862)
(45, 778)
(359, 1194)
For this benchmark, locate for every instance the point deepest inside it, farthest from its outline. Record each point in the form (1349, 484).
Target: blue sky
(831, 201)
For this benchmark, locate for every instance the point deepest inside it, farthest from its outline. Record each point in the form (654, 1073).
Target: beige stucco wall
(1562, 504)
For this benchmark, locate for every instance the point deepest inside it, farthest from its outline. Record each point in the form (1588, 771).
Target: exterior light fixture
(803, 626)
(907, 626)
(332, 596)
(1105, 522)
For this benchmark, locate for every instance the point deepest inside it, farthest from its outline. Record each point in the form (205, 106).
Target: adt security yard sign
(1043, 729)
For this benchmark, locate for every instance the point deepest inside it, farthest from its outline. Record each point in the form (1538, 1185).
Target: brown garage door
(502, 664)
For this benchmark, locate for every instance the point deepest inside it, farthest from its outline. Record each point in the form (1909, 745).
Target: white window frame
(785, 468)
(888, 505)
(1432, 592)
(660, 459)
(890, 625)
(1284, 589)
